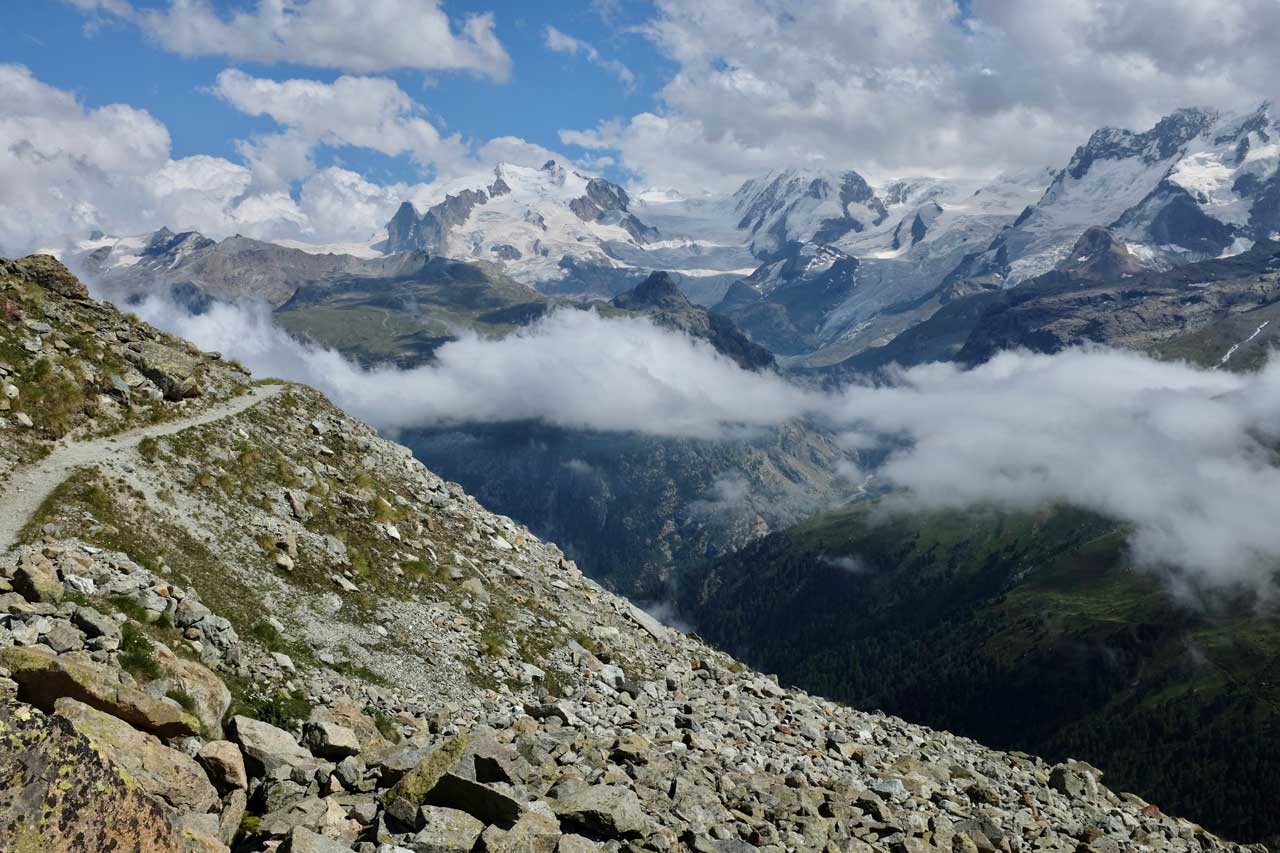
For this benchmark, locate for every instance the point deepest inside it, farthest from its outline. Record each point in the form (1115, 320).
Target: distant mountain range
(816, 265)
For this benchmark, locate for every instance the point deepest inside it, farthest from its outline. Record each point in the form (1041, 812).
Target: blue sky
(105, 61)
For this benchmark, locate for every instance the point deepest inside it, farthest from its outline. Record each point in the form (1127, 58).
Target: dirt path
(29, 486)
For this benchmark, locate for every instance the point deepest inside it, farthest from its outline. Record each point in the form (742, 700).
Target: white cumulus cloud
(892, 87)
(67, 169)
(356, 35)
(362, 112)
(563, 43)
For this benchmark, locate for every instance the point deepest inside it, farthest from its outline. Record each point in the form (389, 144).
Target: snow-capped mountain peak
(799, 205)
(1199, 184)
(528, 220)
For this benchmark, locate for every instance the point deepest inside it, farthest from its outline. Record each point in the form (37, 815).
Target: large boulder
(308, 813)
(321, 816)
(266, 747)
(43, 678)
(210, 696)
(610, 811)
(484, 781)
(234, 807)
(492, 803)
(36, 579)
(224, 764)
(164, 773)
(68, 796)
(446, 831)
(330, 740)
(1075, 779)
(303, 840)
(408, 795)
(95, 623)
(175, 372)
(351, 715)
(48, 272)
(532, 833)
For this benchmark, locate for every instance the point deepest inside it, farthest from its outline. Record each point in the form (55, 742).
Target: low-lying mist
(1184, 455)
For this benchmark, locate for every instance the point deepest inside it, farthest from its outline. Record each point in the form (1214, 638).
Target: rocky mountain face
(836, 279)
(786, 303)
(660, 298)
(266, 628)
(567, 233)
(798, 206)
(839, 265)
(1100, 256)
(632, 508)
(1196, 311)
(1141, 311)
(194, 269)
(1197, 185)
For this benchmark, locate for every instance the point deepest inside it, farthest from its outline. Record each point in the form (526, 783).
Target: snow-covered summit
(1197, 185)
(527, 220)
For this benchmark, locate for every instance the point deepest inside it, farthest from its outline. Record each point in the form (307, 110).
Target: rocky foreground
(278, 631)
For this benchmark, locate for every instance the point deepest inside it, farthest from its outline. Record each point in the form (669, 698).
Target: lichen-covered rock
(164, 773)
(348, 714)
(44, 678)
(570, 843)
(495, 803)
(94, 623)
(174, 372)
(303, 840)
(210, 696)
(608, 810)
(36, 579)
(446, 831)
(408, 795)
(532, 833)
(234, 807)
(330, 740)
(308, 813)
(48, 272)
(1075, 779)
(60, 793)
(266, 747)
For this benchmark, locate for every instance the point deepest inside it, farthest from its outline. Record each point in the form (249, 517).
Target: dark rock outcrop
(1098, 256)
(659, 297)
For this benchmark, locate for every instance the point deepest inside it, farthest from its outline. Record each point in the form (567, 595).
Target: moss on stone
(405, 797)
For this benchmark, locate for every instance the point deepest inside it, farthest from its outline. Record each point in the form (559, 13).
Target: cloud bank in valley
(573, 369)
(1181, 454)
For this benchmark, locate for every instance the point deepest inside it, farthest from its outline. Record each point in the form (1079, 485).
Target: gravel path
(29, 486)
